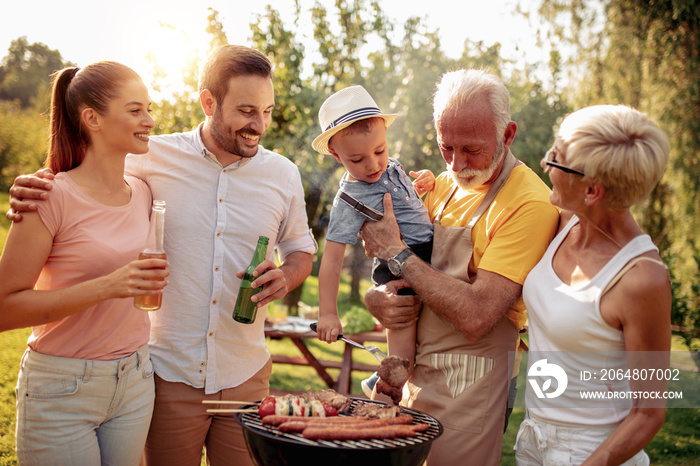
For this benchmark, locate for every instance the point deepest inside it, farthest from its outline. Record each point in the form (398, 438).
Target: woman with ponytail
(85, 390)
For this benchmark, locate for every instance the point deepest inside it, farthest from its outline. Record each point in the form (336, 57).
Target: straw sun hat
(344, 108)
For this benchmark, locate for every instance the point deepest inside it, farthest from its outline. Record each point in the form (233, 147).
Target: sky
(85, 31)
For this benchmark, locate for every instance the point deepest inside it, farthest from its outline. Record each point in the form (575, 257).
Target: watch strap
(401, 258)
(404, 255)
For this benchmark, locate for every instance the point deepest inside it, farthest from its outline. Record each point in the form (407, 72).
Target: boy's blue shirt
(411, 214)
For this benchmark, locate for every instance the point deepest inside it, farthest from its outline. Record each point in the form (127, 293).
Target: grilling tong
(376, 352)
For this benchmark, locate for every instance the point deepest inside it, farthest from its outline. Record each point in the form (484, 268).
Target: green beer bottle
(245, 310)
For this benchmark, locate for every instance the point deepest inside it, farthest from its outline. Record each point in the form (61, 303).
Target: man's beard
(468, 178)
(227, 139)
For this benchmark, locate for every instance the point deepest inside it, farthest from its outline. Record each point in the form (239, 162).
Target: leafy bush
(357, 320)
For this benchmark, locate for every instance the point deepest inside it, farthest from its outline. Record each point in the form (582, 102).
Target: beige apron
(463, 384)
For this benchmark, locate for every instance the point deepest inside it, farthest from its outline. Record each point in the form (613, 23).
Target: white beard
(468, 178)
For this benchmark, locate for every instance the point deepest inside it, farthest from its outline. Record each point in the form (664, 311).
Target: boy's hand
(328, 328)
(424, 181)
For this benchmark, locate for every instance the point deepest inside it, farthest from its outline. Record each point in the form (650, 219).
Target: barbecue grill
(268, 446)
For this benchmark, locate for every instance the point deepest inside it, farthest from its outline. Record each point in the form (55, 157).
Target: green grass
(677, 444)
(13, 344)
(4, 222)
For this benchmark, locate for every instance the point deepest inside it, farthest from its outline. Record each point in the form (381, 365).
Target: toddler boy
(354, 132)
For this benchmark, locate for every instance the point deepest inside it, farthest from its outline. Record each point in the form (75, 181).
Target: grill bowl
(270, 447)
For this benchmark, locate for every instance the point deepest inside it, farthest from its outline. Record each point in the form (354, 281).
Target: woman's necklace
(603, 232)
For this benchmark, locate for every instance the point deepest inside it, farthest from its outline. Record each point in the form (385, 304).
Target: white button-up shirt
(214, 216)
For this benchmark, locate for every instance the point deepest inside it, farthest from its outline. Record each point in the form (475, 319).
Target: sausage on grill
(345, 433)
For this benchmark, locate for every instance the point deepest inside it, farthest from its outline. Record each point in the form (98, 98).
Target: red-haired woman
(85, 391)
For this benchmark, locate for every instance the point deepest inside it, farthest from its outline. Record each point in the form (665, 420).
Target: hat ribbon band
(355, 115)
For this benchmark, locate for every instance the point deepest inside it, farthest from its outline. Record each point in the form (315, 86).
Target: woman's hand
(139, 277)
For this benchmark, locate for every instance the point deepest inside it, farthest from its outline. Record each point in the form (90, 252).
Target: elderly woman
(600, 296)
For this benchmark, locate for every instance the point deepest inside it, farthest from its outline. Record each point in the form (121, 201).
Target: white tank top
(566, 327)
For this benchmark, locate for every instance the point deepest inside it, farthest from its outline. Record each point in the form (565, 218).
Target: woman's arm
(640, 304)
(27, 248)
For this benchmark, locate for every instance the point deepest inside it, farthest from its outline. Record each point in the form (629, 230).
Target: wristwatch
(396, 262)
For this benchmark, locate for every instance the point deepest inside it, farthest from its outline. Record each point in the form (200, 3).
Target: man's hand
(394, 311)
(382, 239)
(28, 188)
(273, 281)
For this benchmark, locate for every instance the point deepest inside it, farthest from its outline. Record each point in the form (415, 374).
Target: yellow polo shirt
(512, 235)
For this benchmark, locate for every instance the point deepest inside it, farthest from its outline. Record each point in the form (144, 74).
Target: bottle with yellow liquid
(154, 250)
(246, 310)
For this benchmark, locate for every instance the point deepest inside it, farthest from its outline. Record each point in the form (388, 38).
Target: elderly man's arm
(472, 309)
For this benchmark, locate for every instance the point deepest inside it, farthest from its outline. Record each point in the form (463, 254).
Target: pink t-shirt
(92, 240)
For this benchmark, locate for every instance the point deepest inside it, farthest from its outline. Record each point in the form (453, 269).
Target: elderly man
(493, 221)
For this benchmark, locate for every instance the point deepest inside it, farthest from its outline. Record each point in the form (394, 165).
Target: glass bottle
(246, 310)
(154, 250)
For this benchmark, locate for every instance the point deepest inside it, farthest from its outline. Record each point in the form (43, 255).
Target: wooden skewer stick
(227, 402)
(225, 411)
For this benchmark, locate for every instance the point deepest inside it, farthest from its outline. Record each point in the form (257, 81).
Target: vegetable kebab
(290, 405)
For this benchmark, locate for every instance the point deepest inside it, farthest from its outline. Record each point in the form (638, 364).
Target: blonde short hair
(617, 146)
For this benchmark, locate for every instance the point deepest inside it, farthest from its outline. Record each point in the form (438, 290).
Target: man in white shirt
(222, 192)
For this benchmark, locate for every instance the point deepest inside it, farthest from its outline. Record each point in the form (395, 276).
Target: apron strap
(438, 218)
(508, 165)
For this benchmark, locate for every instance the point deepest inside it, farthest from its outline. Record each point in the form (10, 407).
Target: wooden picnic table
(343, 384)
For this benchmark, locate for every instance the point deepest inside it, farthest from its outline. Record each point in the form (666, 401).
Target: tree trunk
(291, 300)
(358, 268)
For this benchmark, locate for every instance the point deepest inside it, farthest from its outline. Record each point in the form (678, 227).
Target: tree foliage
(24, 97)
(23, 141)
(25, 71)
